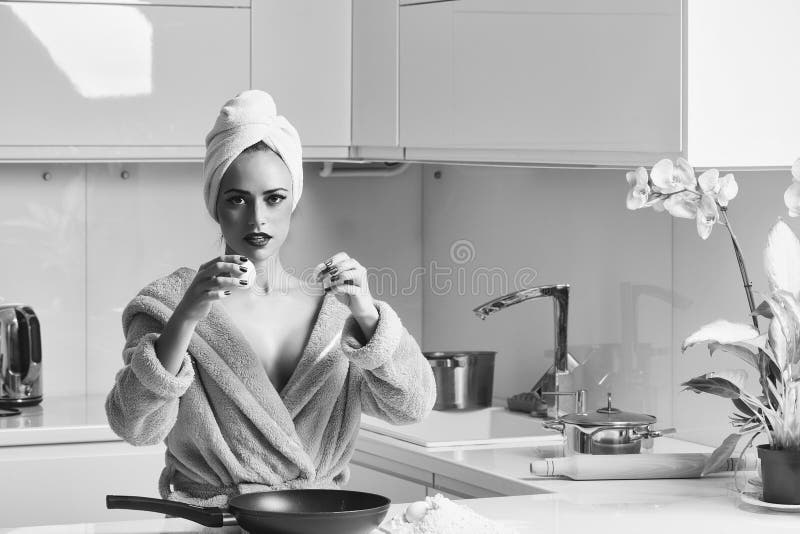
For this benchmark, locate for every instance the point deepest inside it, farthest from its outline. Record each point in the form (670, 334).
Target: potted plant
(774, 355)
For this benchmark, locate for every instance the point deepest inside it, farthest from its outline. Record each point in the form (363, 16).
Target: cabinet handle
(47, 176)
(125, 175)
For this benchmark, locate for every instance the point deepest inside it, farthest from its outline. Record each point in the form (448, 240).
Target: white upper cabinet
(560, 81)
(301, 55)
(375, 79)
(100, 81)
(743, 83)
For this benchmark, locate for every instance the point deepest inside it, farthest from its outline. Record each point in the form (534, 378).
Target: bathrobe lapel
(240, 374)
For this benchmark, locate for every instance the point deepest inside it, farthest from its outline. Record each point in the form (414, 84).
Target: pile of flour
(443, 516)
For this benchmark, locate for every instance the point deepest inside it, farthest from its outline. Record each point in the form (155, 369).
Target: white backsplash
(559, 226)
(43, 239)
(79, 246)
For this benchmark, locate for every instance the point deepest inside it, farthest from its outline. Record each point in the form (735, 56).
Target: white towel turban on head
(243, 121)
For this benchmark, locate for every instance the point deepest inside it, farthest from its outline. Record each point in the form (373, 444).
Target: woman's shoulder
(164, 292)
(175, 282)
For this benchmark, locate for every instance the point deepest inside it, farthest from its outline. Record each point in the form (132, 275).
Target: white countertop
(715, 510)
(551, 505)
(66, 419)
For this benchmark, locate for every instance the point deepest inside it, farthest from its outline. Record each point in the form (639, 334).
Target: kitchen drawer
(55, 484)
(462, 489)
(396, 488)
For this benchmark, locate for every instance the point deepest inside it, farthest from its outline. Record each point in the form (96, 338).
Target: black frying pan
(303, 511)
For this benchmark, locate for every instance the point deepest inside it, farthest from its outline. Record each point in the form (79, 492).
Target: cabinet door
(375, 77)
(567, 81)
(58, 484)
(301, 55)
(397, 489)
(149, 78)
(450, 487)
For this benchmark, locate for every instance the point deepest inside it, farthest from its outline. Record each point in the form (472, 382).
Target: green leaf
(763, 310)
(743, 407)
(713, 386)
(740, 352)
(723, 332)
(781, 258)
(721, 454)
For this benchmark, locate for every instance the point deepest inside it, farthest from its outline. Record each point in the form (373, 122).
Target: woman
(256, 382)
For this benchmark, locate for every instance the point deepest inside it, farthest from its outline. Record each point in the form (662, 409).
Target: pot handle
(554, 424)
(654, 433)
(207, 516)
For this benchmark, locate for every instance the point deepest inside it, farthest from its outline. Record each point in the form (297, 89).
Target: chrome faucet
(563, 362)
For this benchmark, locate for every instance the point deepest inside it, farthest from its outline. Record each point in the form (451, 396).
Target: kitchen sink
(485, 426)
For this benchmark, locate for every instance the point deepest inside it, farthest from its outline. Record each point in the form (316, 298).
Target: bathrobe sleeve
(142, 407)
(398, 384)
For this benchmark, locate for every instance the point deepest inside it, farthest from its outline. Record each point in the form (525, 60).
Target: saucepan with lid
(609, 430)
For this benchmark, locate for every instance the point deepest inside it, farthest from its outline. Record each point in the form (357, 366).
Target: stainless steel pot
(464, 379)
(607, 431)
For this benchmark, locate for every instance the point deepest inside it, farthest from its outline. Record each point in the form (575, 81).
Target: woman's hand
(214, 281)
(348, 282)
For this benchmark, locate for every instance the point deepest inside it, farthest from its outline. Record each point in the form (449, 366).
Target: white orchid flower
(639, 191)
(669, 178)
(683, 204)
(656, 203)
(792, 198)
(722, 190)
(707, 216)
(728, 189)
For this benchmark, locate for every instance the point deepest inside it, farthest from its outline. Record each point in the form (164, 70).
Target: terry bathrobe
(227, 430)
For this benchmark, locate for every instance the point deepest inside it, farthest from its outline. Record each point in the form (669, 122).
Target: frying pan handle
(210, 516)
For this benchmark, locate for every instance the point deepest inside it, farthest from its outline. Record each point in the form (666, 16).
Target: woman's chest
(277, 332)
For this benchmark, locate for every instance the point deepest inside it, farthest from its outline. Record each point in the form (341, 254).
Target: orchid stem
(763, 360)
(748, 286)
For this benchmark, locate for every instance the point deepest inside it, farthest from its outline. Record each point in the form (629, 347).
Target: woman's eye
(235, 200)
(276, 199)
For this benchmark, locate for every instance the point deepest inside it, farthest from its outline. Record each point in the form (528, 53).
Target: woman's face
(255, 196)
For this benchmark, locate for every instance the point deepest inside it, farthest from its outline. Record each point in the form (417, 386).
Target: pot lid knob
(609, 408)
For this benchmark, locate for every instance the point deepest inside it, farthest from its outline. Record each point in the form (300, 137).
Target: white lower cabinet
(68, 483)
(398, 482)
(406, 483)
(452, 488)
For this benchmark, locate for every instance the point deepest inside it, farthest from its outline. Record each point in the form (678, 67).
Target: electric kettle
(20, 357)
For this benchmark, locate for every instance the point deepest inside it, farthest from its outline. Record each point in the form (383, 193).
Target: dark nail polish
(243, 268)
(334, 270)
(348, 282)
(243, 282)
(334, 278)
(227, 292)
(329, 263)
(242, 258)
